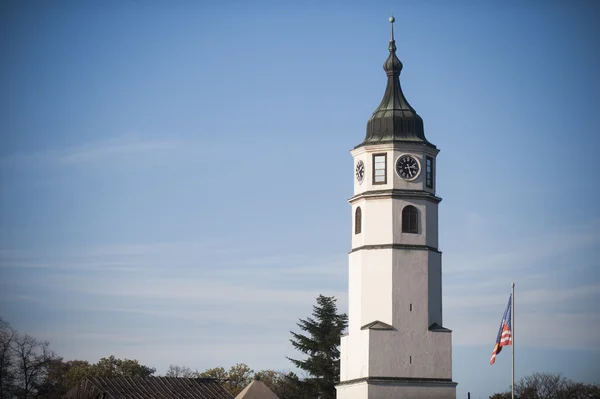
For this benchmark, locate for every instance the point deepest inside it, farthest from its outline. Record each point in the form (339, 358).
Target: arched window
(410, 219)
(357, 221)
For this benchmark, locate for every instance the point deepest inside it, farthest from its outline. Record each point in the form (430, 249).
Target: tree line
(30, 369)
(550, 386)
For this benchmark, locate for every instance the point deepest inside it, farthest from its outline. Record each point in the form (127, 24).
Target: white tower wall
(396, 345)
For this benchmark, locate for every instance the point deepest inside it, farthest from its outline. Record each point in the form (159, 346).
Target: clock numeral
(407, 167)
(360, 171)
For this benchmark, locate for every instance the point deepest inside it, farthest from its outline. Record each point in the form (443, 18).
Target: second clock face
(407, 167)
(360, 171)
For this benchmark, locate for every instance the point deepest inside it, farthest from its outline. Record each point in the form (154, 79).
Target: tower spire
(392, 45)
(394, 120)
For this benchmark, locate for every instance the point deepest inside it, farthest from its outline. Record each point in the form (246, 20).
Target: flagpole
(512, 316)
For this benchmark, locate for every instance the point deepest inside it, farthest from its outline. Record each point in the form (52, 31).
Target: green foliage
(288, 386)
(180, 372)
(321, 345)
(550, 386)
(218, 373)
(53, 385)
(29, 369)
(62, 376)
(76, 371)
(234, 380)
(503, 395)
(113, 367)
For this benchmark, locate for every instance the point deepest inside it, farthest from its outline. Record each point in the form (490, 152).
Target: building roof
(256, 390)
(437, 328)
(394, 120)
(377, 325)
(148, 388)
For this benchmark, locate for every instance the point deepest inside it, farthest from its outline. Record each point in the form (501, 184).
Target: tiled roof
(148, 388)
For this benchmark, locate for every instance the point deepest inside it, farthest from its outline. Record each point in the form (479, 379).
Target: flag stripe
(504, 337)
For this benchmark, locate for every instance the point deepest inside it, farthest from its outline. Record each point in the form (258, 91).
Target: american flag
(504, 333)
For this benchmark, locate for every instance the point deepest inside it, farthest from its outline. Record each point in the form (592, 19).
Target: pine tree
(321, 345)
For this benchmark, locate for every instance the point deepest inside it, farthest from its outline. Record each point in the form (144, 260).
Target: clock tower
(396, 346)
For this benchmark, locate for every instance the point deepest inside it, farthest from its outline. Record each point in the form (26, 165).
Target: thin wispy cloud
(179, 271)
(560, 330)
(527, 252)
(548, 297)
(183, 288)
(115, 148)
(109, 150)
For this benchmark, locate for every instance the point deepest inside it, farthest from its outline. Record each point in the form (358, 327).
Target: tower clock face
(407, 167)
(360, 171)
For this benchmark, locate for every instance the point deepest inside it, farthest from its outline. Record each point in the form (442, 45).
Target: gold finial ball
(392, 20)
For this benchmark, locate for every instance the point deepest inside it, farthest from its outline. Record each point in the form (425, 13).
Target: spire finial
(392, 45)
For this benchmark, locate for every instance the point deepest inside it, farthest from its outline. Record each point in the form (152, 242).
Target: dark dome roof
(394, 120)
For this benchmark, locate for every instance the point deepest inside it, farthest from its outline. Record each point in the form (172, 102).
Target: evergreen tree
(321, 345)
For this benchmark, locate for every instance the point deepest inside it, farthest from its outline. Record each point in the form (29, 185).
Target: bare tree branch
(33, 358)
(7, 377)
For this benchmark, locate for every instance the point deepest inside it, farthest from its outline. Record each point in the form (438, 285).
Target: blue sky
(174, 177)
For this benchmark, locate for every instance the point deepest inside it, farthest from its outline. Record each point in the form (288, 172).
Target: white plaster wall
(442, 353)
(377, 286)
(434, 288)
(431, 224)
(371, 280)
(356, 355)
(409, 238)
(382, 353)
(385, 391)
(382, 222)
(383, 285)
(390, 357)
(344, 358)
(355, 295)
(410, 354)
(384, 282)
(378, 222)
(410, 286)
(354, 391)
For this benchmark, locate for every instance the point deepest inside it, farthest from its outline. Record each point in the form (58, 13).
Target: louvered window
(410, 219)
(357, 221)
(379, 168)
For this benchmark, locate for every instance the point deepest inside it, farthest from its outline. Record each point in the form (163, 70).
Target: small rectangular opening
(411, 307)
(380, 168)
(429, 172)
(410, 359)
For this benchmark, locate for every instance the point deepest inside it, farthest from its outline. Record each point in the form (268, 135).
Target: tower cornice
(395, 146)
(402, 380)
(396, 193)
(396, 246)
